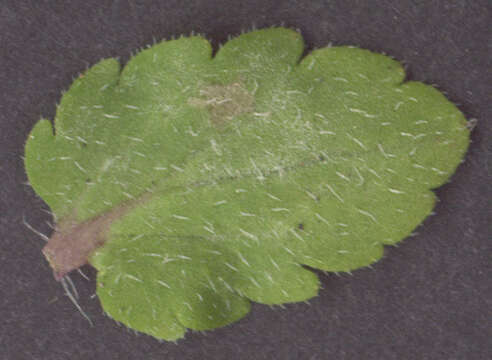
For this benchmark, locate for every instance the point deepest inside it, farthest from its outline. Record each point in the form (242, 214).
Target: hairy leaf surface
(205, 183)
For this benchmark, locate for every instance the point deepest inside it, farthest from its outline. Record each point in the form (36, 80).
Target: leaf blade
(236, 171)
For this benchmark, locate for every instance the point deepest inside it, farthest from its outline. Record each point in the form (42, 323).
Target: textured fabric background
(429, 298)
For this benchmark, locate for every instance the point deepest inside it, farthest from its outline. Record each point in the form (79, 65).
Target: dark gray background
(429, 298)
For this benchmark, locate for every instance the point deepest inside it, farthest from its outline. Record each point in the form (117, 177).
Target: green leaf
(195, 184)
